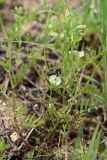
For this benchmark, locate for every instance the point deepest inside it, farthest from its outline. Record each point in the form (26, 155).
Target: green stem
(104, 41)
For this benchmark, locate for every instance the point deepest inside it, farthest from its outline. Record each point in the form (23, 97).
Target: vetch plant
(12, 37)
(58, 107)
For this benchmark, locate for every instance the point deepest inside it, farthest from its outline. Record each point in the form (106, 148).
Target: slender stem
(104, 40)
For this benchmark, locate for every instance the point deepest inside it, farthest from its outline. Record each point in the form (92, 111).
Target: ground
(24, 128)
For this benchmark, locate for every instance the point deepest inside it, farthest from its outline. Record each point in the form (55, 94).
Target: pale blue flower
(55, 80)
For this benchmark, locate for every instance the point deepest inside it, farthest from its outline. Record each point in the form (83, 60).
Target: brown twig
(25, 141)
(79, 81)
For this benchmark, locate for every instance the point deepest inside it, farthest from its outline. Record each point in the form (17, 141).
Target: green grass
(104, 43)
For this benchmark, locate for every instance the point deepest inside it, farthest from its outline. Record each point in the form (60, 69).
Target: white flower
(61, 35)
(81, 27)
(55, 80)
(79, 53)
(50, 26)
(53, 34)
